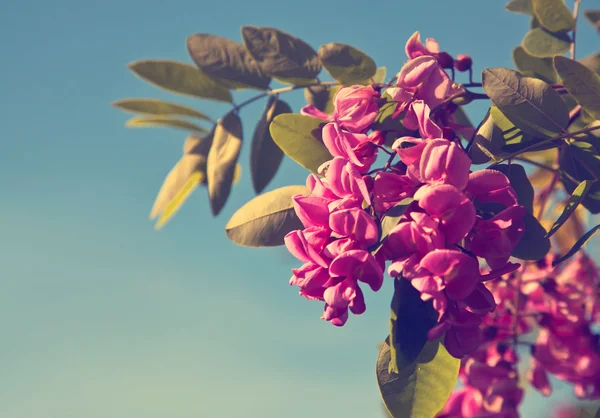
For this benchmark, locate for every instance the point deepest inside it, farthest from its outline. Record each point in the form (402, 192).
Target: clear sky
(101, 316)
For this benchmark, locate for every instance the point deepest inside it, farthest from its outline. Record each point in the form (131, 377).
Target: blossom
(355, 147)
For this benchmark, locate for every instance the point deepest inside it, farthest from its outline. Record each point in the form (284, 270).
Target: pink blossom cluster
(441, 238)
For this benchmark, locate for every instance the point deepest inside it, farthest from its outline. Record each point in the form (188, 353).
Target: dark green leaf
(318, 96)
(347, 64)
(180, 78)
(164, 122)
(540, 43)
(488, 142)
(574, 200)
(222, 159)
(541, 68)
(593, 15)
(534, 245)
(280, 54)
(411, 320)
(579, 162)
(519, 6)
(299, 137)
(421, 388)
(530, 104)
(158, 107)
(265, 220)
(580, 243)
(592, 61)
(226, 61)
(581, 82)
(265, 155)
(554, 15)
(520, 183)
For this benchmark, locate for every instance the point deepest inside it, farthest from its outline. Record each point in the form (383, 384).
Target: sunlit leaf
(540, 43)
(488, 142)
(574, 200)
(347, 64)
(164, 122)
(158, 107)
(195, 179)
(299, 137)
(570, 231)
(578, 245)
(180, 78)
(519, 6)
(531, 104)
(380, 75)
(534, 245)
(581, 82)
(280, 54)
(222, 159)
(541, 68)
(421, 388)
(265, 220)
(554, 15)
(227, 61)
(265, 155)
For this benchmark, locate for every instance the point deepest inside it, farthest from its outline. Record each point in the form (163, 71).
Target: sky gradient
(102, 317)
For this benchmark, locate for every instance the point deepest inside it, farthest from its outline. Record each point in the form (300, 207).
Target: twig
(574, 35)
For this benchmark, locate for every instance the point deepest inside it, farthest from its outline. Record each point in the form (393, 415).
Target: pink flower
(459, 271)
(356, 107)
(312, 111)
(356, 224)
(538, 378)
(344, 180)
(442, 162)
(409, 149)
(417, 117)
(312, 210)
(491, 186)
(355, 147)
(390, 189)
(417, 233)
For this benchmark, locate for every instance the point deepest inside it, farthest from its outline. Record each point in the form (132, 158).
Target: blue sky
(102, 317)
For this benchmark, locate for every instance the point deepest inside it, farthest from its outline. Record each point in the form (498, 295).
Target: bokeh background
(101, 316)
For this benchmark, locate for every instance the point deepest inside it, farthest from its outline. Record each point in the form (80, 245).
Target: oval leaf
(222, 159)
(164, 122)
(531, 104)
(574, 200)
(553, 15)
(158, 107)
(380, 74)
(227, 61)
(280, 54)
(519, 6)
(541, 68)
(299, 137)
(265, 220)
(347, 64)
(265, 155)
(421, 388)
(592, 61)
(181, 78)
(581, 82)
(593, 16)
(540, 43)
(578, 245)
(534, 245)
(488, 142)
(175, 204)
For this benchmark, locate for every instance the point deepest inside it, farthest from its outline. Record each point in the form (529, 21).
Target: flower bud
(463, 62)
(445, 60)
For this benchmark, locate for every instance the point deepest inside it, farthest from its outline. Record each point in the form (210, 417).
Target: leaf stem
(574, 35)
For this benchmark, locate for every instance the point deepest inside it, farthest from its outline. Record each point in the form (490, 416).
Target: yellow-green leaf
(488, 142)
(581, 82)
(182, 78)
(554, 15)
(299, 137)
(380, 74)
(538, 42)
(578, 245)
(519, 6)
(164, 122)
(158, 107)
(265, 220)
(195, 179)
(421, 388)
(574, 200)
(222, 159)
(347, 64)
(542, 68)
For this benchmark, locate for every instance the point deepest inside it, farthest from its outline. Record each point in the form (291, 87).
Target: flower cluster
(438, 241)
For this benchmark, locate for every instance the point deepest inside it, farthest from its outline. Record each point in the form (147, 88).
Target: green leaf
(488, 142)
(380, 74)
(581, 82)
(592, 61)
(519, 6)
(222, 159)
(540, 43)
(265, 220)
(265, 155)
(227, 61)
(511, 134)
(541, 68)
(421, 388)
(520, 183)
(578, 245)
(391, 218)
(299, 137)
(174, 205)
(530, 104)
(411, 320)
(593, 16)
(164, 121)
(181, 78)
(534, 245)
(280, 54)
(347, 64)
(578, 162)
(574, 200)
(554, 15)
(158, 107)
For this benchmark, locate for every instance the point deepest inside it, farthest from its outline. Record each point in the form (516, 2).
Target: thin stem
(574, 35)
(574, 114)
(473, 84)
